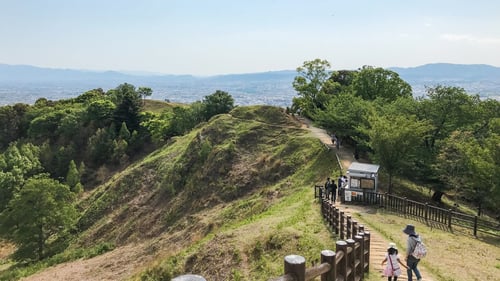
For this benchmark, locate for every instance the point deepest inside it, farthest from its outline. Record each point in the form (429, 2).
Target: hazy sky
(206, 37)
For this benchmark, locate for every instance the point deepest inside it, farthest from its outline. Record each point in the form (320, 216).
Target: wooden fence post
(328, 256)
(189, 277)
(475, 226)
(450, 215)
(405, 206)
(360, 239)
(336, 220)
(342, 225)
(426, 214)
(354, 228)
(296, 265)
(351, 260)
(367, 242)
(330, 214)
(341, 246)
(349, 227)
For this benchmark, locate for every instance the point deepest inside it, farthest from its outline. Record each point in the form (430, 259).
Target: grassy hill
(227, 201)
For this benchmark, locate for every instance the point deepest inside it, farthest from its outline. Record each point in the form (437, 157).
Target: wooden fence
(349, 262)
(430, 214)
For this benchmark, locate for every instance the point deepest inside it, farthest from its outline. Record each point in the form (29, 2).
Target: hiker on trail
(392, 269)
(334, 191)
(342, 181)
(411, 261)
(334, 139)
(328, 188)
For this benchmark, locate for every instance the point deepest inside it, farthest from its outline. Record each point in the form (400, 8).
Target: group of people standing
(332, 189)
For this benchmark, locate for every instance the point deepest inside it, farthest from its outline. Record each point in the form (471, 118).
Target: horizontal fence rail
(430, 214)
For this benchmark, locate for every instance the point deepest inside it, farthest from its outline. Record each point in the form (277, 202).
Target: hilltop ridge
(205, 202)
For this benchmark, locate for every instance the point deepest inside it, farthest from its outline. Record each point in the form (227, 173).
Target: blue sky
(219, 37)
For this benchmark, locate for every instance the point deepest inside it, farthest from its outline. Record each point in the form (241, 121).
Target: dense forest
(52, 151)
(447, 140)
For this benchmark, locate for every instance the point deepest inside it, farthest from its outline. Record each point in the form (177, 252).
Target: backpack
(420, 250)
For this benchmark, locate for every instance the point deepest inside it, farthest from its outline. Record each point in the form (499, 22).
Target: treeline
(53, 150)
(449, 140)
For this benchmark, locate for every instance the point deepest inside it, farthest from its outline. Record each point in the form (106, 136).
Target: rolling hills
(227, 201)
(25, 84)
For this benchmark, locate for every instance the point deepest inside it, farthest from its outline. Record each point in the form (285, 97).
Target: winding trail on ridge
(378, 243)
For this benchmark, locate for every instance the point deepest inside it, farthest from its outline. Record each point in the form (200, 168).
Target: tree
(73, 178)
(448, 109)
(41, 210)
(372, 83)
(394, 140)
(450, 165)
(157, 125)
(471, 166)
(124, 133)
(217, 103)
(89, 96)
(17, 164)
(100, 146)
(343, 114)
(10, 124)
(183, 120)
(308, 84)
(128, 105)
(340, 81)
(144, 92)
(100, 112)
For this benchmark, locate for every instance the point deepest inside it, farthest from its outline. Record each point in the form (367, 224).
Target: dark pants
(412, 263)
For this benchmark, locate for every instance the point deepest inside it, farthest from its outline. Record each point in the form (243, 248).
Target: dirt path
(378, 245)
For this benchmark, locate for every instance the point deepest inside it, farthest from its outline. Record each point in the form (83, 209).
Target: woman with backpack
(411, 260)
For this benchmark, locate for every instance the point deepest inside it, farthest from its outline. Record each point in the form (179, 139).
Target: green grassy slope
(227, 201)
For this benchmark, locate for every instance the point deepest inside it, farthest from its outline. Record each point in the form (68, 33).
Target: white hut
(363, 177)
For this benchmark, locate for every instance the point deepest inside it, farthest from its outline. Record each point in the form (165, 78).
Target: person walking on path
(328, 188)
(392, 268)
(334, 191)
(411, 261)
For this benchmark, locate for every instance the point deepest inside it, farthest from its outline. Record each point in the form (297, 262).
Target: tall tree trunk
(437, 196)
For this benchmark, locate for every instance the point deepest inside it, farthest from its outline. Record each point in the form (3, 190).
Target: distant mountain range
(24, 83)
(449, 72)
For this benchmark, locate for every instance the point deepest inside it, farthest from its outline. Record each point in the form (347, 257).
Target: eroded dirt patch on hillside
(118, 264)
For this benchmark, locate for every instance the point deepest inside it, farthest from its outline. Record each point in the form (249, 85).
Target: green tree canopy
(128, 105)
(343, 115)
(448, 109)
(378, 83)
(217, 103)
(394, 140)
(312, 76)
(42, 209)
(144, 92)
(73, 178)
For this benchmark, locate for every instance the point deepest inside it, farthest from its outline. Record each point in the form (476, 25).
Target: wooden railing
(349, 262)
(430, 214)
